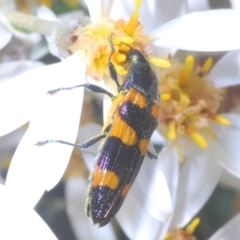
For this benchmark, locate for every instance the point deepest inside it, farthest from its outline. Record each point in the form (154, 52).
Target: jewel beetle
(132, 119)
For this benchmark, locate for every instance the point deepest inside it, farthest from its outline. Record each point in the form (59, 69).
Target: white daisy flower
(204, 157)
(8, 30)
(57, 117)
(190, 98)
(18, 221)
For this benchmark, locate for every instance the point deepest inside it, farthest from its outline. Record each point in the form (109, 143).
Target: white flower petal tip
(100, 9)
(11, 69)
(75, 193)
(20, 222)
(151, 191)
(193, 189)
(212, 30)
(226, 149)
(55, 117)
(226, 71)
(45, 13)
(68, 73)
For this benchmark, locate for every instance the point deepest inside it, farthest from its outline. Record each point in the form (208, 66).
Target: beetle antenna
(111, 67)
(127, 45)
(110, 39)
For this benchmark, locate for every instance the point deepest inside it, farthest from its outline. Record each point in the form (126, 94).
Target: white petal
(17, 96)
(19, 222)
(135, 222)
(88, 131)
(229, 231)
(160, 12)
(157, 138)
(100, 9)
(213, 30)
(170, 166)
(226, 72)
(129, 214)
(198, 5)
(46, 13)
(26, 176)
(39, 51)
(198, 178)
(146, 227)
(25, 224)
(75, 193)
(31, 38)
(115, 10)
(5, 37)
(151, 190)
(235, 4)
(85, 133)
(141, 225)
(12, 69)
(226, 144)
(55, 117)
(107, 102)
(8, 143)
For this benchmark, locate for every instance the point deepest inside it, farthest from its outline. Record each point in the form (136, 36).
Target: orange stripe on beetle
(105, 178)
(136, 98)
(155, 111)
(143, 146)
(125, 190)
(123, 131)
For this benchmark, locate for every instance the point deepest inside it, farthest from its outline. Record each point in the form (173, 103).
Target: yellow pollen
(222, 120)
(171, 131)
(167, 236)
(207, 65)
(132, 24)
(159, 62)
(197, 137)
(127, 40)
(120, 58)
(192, 226)
(124, 48)
(165, 96)
(47, 3)
(188, 67)
(120, 70)
(137, 5)
(6, 163)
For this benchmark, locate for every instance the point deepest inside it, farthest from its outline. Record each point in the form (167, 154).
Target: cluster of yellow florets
(184, 234)
(93, 40)
(188, 101)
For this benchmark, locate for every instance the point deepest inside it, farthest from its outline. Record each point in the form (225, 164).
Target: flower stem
(26, 22)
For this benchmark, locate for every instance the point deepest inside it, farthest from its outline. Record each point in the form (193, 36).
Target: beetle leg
(91, 87)
(111, 67)
(87, 144)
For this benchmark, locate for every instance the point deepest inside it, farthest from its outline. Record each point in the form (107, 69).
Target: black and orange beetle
(133, 118)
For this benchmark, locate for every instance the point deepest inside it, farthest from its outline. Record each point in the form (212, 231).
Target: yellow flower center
(188, 101)
(93, 40)
(184, 234)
